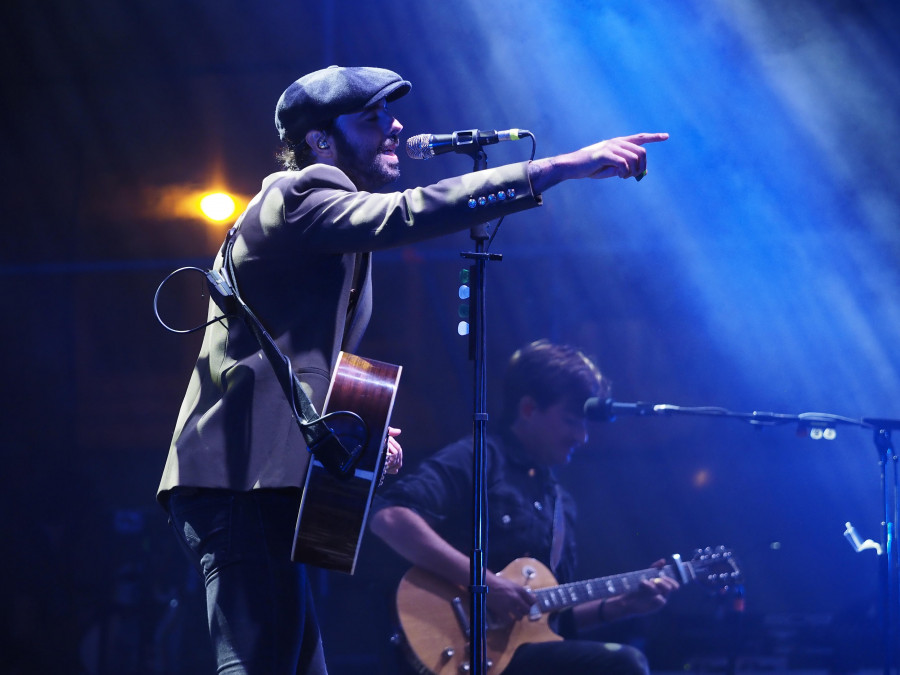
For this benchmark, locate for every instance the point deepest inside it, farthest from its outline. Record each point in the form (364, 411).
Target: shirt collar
(517, 456)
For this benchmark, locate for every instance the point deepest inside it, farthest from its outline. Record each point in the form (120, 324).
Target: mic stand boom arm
(607, 410)
(819, 425)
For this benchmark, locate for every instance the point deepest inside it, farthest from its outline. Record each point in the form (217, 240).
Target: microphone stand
(890, 581)
(889, 568)
(477, 342)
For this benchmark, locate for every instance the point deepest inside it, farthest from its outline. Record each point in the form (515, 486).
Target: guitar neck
(556, 598)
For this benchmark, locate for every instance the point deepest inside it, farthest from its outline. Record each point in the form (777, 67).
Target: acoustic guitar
(333, 510)
(434, 614)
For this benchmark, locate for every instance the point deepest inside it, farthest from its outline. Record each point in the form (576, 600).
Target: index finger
(641, 139)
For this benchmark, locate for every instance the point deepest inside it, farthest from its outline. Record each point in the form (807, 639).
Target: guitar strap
(320, 438)
(559, 531)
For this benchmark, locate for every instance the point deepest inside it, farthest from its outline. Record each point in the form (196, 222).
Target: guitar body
(435, 635)
(334, 511)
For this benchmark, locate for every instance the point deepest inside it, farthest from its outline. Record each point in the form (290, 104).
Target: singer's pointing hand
(624, 157)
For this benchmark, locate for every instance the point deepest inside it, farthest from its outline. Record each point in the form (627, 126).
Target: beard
(367, 167)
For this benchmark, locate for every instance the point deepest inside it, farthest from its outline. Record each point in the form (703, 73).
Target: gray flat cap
(320, 96)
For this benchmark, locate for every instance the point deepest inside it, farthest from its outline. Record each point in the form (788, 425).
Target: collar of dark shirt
(518, 457)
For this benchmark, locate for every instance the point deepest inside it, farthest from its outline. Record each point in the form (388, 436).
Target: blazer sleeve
(322, 206)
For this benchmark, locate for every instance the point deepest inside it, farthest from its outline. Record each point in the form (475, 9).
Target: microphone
(426, 146)
(605, 409)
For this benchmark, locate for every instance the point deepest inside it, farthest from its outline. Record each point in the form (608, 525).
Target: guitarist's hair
(551, 373)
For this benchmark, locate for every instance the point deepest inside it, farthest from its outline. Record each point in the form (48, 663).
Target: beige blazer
(303, 264)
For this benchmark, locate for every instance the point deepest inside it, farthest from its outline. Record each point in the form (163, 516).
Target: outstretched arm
(624, 157)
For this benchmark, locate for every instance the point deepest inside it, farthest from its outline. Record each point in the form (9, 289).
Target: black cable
(156, 303)
(530, 159)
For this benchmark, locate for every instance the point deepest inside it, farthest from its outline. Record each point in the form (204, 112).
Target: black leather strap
(319, 437)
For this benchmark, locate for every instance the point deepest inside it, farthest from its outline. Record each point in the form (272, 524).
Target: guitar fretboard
(564, 596)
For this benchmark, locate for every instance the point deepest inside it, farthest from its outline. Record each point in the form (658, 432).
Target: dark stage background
(755, 268)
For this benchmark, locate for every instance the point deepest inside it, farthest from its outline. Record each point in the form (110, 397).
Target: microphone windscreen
(598, 409)
(419, 147)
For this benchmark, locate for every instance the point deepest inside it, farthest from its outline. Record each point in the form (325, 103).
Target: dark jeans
(568, 657)
(577, 657)
(259, 606)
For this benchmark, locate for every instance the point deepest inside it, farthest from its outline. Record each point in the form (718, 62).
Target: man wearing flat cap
(233, 479)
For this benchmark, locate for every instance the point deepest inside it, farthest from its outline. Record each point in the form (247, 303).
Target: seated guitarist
(426, 515)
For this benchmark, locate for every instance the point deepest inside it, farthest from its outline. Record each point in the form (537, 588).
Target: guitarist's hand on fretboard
(650, 596)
